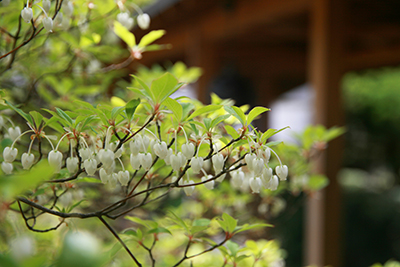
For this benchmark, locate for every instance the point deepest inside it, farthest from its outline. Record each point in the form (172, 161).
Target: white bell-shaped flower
(161, 149)
(106, 156)
(177, 161)
(126, 20)
(218, 162)
(85, 153)
(167, 159)
(90, 166)
(146, 160)
(197, 164)
(273, 184)
(58, 19)
(237, 179)
(249, 159)
(27, 160)
(134, 146)
(111, 169)
(221, 178)
(266, 177)
(65, 24)
(143, 21)
(258, 166)
(55, 160)
(282, 172)
(68, 8)
(188, 189)
(265, 154)
(9, 154)
(123, 177)
(72, 164)
(119, 152)
(46, 4)
(145, 142)
(135, 161)
(255, 184)
(188, 150)
(7, 167)
(209, 185)
(14, 133)
(112, 182)
(27, 14)
(104, 177)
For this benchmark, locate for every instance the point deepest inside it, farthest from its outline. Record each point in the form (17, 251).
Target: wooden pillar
(323, 217)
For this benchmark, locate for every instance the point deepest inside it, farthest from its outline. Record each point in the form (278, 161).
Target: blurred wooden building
(280, 44)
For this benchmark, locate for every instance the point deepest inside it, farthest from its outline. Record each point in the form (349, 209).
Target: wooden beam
(373, 58)
(323, 229)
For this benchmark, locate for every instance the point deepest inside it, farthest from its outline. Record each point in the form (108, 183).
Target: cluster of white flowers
(124, 17)
(102, 157)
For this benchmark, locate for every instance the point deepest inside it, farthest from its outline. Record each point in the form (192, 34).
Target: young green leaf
(204, 110)
(175, 107)
(163, 87)
(237, 113)
(150, 37)
(254, 113)
(124, 34)
(231, 131)
(64, 116)
(130, 108)
(20, 112)
(146, 88)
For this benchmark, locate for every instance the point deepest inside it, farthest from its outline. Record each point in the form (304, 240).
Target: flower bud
(146, 160)
(104, 177)
(197, 164)
(282, 172)
(27, 160)
(189, 189)
(134, 147)
(143, 21)
(27, 14)
(14, 133)
(218, 162)
(55, 158)
(161, 150)
(90, 166)
(188, 150)
(9, 154)
(266, 177)
(209, 185)
(72, 164)
(255, 184)
(135, 161)
(7, 167)
(125, 19)
(46, 4)
(177, 161)
(123, 177)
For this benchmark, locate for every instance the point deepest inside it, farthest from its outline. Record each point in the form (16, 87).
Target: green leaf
(231, 131)
(231, 222)
(159, 230)
(247, 227)
(37, 118)
(115, 112)
(218, 120)
(207, 123)
(88, 180)
(164, 86)
(271, 132)
(16, 184)
(124, 34)
(178, 220)
(150, 37)
(76, 205)
(204, 110)
(64, 116)
(130, 108)
(237, 113)
(254, 113)
(175, 107)
(146, 223)
(20, 112)
(146, 88)
(233, 247)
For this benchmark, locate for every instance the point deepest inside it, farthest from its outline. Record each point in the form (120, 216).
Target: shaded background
(255, 51)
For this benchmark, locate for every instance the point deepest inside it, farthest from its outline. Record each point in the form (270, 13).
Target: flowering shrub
(73, 156)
